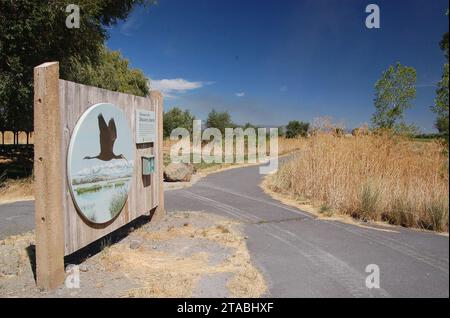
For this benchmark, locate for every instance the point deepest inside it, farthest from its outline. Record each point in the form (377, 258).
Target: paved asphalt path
(299, 255)
(16, 218)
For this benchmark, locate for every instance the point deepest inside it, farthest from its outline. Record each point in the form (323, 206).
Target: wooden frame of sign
(60, 229)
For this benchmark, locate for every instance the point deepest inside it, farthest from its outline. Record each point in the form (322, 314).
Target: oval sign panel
(100, 163)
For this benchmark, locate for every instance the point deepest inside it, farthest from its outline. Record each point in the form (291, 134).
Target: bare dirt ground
(191, 254)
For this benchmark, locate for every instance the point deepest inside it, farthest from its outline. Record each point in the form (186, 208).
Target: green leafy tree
(111, 72)
(219, 120)
(441, 103)
(249, 125)
(176, 118)
(444, 44)
(394, 92)
(442, 92)
(442, 126)
(407, 130)
(33, 32)
(297, 128)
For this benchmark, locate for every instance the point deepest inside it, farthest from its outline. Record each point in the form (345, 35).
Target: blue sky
(271, 61)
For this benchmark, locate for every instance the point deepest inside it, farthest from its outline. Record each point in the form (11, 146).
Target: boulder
(178, 172)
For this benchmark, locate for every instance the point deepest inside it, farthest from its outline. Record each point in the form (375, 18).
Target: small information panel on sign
(145, 126)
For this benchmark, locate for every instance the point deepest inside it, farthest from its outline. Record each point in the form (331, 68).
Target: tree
(407, 130)
(176, 118)
(394, 92)
(442, 92)
(442, 126)
(33, 32)
(110, 72)
(297, 128)
(249, 125)
(444, 44)
(441, 104)
(219, 120)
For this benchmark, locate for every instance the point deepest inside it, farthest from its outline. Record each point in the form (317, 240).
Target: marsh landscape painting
(101, 162)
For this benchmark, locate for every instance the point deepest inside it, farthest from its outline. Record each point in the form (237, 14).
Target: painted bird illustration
(108, 135)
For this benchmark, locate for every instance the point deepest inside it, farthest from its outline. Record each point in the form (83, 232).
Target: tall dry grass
(288, 145)
(372, 177)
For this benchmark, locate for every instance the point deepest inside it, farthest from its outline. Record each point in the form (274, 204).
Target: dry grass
(374, 178)
(173, 258)
(288, 145)
(165, 274)
(16, 190)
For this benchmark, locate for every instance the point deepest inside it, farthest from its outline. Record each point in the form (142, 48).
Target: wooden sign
(100, 163)
(66, 115)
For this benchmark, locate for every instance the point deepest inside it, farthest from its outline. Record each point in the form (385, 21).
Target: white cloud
(170, 87)
(240, 94)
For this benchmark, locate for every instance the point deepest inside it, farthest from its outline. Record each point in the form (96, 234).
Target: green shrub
(176, 118)
(219, 120)
(296, 128)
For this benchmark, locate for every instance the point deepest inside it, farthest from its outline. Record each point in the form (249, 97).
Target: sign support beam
(48, 177)
(60, 230)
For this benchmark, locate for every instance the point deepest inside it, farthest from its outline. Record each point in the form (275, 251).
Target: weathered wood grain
(146, 193)
(49, 175)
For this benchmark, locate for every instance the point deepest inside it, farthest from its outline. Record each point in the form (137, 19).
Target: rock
(83, 268)
(178, 172)
(69, 268)
(134, 245)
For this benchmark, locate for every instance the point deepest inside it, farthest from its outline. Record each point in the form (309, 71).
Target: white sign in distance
(145, 126)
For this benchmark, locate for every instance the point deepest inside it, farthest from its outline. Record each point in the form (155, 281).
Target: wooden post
(160, 212)
(48, 179)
